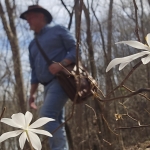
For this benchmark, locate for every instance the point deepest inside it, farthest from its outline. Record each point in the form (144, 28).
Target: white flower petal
(10, 122)
(10, 134)
(19, 119)
(121, 66)
(135, 44)
(22, 139)
(38, 131)
(146, 59)
(137, 55)
(35, 141)
(40, 122)
(113, 63)
(148, 39)
(28, 118)
(125, 60)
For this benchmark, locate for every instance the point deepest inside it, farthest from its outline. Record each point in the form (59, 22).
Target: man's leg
(55, 99)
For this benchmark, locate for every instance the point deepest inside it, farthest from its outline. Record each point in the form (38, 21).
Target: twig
(139, 93)
(136, 20)
(2, 113)
(31, 147)
(127, 114)
(70, 13)
(126, 96)
(92, 110)
(140, 126)
(147, 111)
(107, 142)
(108, 125)
(129, 74)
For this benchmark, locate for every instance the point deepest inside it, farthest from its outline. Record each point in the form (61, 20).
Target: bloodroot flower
(126, 60)
(27, 131)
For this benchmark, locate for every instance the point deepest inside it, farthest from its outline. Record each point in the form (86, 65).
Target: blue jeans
(53, 107)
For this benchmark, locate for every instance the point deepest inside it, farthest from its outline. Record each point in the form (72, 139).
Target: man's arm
(32, 95)
(56, 67)
(69, 44)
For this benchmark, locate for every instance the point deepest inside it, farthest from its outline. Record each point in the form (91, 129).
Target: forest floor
(140, 146)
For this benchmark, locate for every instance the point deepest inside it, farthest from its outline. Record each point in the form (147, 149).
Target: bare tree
(9, 27)
(109, 48)
(89, 41)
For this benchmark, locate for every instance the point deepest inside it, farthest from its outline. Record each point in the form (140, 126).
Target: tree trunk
(89, 41)
(9, 27)
(109, 50)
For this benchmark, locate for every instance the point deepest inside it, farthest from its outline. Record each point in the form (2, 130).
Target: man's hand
(31, 102)
(55, 68)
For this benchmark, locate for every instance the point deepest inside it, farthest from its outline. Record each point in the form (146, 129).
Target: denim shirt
(58, 44)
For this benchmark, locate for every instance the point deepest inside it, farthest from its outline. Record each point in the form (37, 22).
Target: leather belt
(46, 83)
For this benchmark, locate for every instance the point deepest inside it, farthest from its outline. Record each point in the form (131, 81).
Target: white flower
(22, 121)
(126, 60)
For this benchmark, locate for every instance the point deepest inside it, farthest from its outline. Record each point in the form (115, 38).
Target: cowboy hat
(37, 8)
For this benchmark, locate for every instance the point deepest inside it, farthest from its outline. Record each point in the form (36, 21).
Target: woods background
(95, 125)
